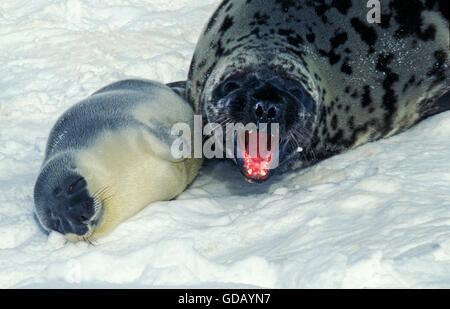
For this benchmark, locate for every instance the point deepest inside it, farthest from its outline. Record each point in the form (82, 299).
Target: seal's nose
(73, 218)
(266, 112)
(65, 225)
(267, 104)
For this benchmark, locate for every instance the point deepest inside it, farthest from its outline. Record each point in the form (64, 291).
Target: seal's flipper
(179, 88)
(443, 103)
(440, 105)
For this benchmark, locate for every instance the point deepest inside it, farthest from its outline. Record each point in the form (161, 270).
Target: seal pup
(328, 77)
(109, 156)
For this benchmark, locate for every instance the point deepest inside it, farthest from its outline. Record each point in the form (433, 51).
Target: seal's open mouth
(257, 154)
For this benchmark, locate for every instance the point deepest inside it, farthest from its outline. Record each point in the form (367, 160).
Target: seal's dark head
(269, 102)
(63, 202)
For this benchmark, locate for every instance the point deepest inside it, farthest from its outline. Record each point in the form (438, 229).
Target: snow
(377, 216)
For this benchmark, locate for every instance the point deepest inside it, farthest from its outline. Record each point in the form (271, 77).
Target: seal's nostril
(259, 111)
(264, 112)
(272, 112)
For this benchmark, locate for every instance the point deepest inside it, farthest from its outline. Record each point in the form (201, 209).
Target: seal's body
(331, 79)
(109, 156)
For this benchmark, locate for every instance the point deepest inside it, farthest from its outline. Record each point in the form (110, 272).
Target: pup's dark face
(63, 203)
(268, 102)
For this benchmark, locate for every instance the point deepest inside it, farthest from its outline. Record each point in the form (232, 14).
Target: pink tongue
(258, 152)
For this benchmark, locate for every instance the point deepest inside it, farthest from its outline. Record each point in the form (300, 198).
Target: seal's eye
(230, 86)
(77, 185)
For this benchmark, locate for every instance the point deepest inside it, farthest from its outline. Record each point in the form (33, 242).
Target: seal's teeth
(250, 171)
(263, 173)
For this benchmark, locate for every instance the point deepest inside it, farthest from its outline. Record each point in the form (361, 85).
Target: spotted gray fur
(369, 80)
